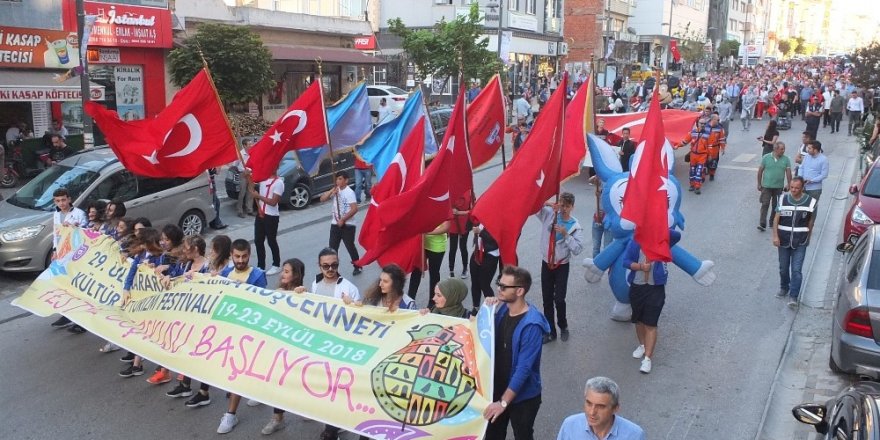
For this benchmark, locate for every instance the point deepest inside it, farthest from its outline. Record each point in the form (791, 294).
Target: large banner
(397, 375)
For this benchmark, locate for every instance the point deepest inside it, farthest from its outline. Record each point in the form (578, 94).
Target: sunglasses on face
(503, 287)
(332, 266)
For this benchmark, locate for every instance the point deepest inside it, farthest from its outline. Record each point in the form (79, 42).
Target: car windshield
(395, 91)
(872, 185)
(37, 194)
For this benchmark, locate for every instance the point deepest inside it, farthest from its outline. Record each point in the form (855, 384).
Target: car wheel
(300, 196)
(192, 222)
(9, 180)
(833, 365)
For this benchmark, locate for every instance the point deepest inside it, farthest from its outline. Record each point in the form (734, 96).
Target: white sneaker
(252, 402)
(274, 270)
(639, 352)
(273, 426)
(227, 423)
(646, 365)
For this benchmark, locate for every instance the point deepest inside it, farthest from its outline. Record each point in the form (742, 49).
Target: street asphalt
(730, 362)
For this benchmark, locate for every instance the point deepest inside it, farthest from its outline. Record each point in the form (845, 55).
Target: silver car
(855, 330)
(26, 217)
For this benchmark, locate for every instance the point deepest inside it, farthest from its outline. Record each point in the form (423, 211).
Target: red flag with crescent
(485, 120)
(303, 125)
(188, 137)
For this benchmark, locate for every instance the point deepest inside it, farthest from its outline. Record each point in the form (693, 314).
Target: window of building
(513, 5)
(531, 6)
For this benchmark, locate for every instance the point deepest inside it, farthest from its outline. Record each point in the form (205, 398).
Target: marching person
(343, 208)
(814, 169)
(792, 228)
(520, 328)
(266, 221)
(567, 241)
(698, 139)
(716, 144)
(600, 418)
(774, 176)
(65, 215)
(647, 295)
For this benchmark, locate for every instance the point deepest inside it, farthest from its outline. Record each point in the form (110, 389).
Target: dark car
(439, 121)
(299, 186)
(855, 328)
(852, 415)
(865, 209)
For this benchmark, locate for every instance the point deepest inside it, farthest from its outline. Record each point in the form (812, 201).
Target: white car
(395, 97)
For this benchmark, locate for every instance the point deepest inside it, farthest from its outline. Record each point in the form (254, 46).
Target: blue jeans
(363, 179)
(790, 263)
(601, 238)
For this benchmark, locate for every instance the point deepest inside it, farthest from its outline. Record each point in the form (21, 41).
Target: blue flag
(348, 121)
(383, 143)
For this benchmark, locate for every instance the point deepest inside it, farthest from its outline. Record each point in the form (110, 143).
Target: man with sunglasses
(328, 282)
(519, 332)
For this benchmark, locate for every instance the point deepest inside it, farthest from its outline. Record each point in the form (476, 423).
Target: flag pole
(551, 251)
(593, 112)
(506, 120)
(327, 130)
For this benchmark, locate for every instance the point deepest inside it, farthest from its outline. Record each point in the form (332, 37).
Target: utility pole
(88, 133)
(669, 40)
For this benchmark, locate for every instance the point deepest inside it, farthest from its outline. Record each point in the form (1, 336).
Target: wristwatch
(503, 403)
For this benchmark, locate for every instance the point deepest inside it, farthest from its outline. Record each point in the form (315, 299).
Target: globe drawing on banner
(433, 378)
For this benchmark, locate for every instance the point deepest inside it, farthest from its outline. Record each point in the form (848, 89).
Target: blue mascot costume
(614, 181)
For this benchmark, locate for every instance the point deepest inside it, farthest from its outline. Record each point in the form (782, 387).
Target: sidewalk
(803, 374)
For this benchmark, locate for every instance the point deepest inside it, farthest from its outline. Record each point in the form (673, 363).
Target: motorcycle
(15, 168)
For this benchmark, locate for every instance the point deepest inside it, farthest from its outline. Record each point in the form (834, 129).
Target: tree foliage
(800, 48)
(728, 47)
(449, 47)
(784, 47)
(690, 44)
(866, 66)
(239, 63)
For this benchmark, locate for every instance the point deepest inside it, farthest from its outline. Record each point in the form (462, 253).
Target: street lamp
(669, 39)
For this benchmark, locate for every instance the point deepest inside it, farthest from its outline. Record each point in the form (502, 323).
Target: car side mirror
(811, 414)
(853, 189)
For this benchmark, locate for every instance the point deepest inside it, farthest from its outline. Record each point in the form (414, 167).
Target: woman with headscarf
(448, 297)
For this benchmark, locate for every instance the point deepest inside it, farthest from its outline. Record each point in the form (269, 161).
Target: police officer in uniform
(792, 227)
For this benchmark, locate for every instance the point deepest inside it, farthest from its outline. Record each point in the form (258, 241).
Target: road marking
(745, 157)
(734, 167)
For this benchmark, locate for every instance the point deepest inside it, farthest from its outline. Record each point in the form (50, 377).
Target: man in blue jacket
(647, 295)
(519, 331)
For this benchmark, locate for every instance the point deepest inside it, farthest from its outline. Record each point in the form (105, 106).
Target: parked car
(855, 328)
(394, 97)
(865, 209)
(851, 415)
(439, 121)
(299, 187)
(26, 217)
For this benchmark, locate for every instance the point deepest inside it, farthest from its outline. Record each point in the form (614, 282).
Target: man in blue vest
(792, 227)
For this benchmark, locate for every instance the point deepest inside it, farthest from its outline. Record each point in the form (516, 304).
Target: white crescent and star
(540, 180)
(301, 123)
(195, 136)
(441, 198)
(276, 137)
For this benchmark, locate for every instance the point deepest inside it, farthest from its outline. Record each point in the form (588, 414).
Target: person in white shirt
(58, 128)
(266, 221)
(343, 208)
(523, 109)
(65, 215)
(329, 282)
(385, 114)
(854, 108)
(826, 108)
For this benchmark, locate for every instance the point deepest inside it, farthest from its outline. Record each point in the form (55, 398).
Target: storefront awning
(30, 85)
(325, 54)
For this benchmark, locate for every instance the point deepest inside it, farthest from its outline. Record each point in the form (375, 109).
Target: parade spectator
(771, 135)
(245, 204)
(523, 109)
(363, 179)
(242, 272)
(774, 175)
(814, 170)
(448, 297)
(647, 295)
(600, 419)
(566, 242)
(627, 149)
(792, 228)
(343, 208)
(58, 151)
(58, 128)
(854, 108)
(519, 331)
(266, 221)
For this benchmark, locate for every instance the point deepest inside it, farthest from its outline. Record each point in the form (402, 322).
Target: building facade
(660, 22)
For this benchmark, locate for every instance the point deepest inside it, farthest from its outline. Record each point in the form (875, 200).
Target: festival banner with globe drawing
(397, 375)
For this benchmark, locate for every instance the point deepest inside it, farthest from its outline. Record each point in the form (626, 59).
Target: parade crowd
(789, 191)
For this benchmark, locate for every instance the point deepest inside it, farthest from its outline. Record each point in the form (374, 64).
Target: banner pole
(318, 61)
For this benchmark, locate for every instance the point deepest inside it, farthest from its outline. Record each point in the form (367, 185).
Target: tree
(240, 64)
(866, 66)
(799, 47)
(690, 44)
(449, 47)
(728, 47)
(784, 47)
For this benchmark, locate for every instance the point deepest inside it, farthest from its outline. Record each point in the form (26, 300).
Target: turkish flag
(532, 177)
(403, 173)
(303, 125)
(579, 120)
(673, 49)
(677, 123)
(188, 137)
(646, 200)
(485, 120)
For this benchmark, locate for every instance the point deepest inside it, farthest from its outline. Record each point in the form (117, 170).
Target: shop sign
(129, 82)
(367, 42)
(522, 21)
(104, 55)
(47, 93)
(40, 48)
(129, 26)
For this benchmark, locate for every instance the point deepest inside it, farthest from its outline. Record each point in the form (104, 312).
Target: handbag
(687, 157)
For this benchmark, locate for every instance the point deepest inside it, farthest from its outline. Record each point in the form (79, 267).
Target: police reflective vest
(794, 220)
